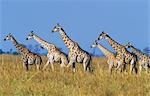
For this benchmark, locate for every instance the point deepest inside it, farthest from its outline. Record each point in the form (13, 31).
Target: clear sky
(83, 20)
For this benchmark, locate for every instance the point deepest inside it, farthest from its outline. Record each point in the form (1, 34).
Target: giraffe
(53, 55)
(76, 53)
(123, 55)
(143, 59)
(111, 57)
(28, 57)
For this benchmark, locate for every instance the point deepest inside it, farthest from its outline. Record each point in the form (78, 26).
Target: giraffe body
(111, 58)
(143, 59)
(76, 53)
(54, 54)
(28, 57)
(123, 55)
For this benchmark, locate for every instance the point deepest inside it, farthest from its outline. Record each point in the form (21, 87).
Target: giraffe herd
(119, 60)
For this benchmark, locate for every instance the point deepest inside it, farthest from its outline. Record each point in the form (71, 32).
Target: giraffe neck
(19, 47)
(115, 45)
(43, 43)
(105, 51)
(67, 41)
(137, 52)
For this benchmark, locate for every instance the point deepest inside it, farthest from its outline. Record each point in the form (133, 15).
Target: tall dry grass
(15, 81)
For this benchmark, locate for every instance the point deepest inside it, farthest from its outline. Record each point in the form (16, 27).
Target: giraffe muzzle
(27, 39)
(5, 39)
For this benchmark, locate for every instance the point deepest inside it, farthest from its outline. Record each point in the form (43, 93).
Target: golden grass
(15, 81)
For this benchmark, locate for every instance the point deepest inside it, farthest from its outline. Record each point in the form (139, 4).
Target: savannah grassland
(15, 81)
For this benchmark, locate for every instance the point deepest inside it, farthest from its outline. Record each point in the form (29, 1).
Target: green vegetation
(15, 81)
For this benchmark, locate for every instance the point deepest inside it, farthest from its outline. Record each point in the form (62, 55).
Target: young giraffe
(76, 54)
(111, 58)
(28, 57)
(123, 55)
(54, 54)
(143, 59)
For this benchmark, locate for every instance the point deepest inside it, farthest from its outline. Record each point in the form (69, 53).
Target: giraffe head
(94, 44)
(57, 28)
(30, 36)
(103, 35)
(8, 37)
(128, 45)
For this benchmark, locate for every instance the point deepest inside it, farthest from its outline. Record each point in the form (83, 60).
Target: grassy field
(15, 81)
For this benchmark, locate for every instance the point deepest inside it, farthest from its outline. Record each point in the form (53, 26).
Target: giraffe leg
(63, 61)
(24, 60)
(110, 64)
(71, 61)
(84, 66)
(50, 61)
(132, 64)
(88, 68)
(26, 65)
(38, 66)
(38, 62)
(110, 68)
(73, 65)
(62, 65)
(119, 65)
(52, 65)
(140, 69)
(124, 68)
(131, 68)
(87, 63)
(146, 67)
(47, 63)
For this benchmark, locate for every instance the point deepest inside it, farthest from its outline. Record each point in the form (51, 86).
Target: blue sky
(83, 20)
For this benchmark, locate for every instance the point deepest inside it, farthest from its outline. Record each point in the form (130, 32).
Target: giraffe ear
(9, 33)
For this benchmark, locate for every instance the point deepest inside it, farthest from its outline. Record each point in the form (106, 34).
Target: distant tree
(7, 52)
(146, 50)
(37, 48)
(1, 51)
(15, 53)
(10, 51)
